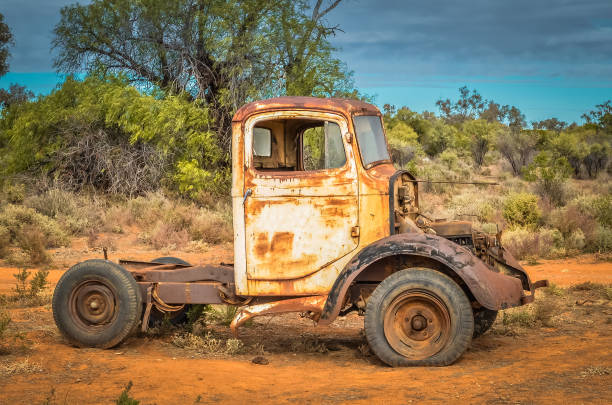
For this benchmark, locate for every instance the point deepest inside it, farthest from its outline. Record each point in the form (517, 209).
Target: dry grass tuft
(595, 371)
(207, 344)
(25, 366)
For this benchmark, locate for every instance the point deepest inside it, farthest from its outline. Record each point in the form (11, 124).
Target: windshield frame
(376, 162)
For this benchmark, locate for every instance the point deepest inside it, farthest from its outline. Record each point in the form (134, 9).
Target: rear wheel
(418, 317)
(483, 320)
(96, 303)
(175, 317)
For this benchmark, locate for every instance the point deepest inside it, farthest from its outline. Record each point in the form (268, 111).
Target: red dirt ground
(559, 364)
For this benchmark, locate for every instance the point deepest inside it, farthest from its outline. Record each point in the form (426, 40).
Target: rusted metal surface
(299, 221)
(417, 324)
(205, 292)
(180, 273)
(92, 305)
(312, 305)
(492, 290)
(297, 104)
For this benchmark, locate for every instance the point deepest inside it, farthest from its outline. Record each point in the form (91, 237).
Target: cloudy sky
(548, 57)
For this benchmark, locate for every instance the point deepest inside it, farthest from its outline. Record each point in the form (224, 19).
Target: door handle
(247, 193)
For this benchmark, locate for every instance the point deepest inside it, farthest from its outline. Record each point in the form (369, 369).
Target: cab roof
(337, 105)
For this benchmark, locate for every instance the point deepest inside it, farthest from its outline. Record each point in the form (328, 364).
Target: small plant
(223, 314)
(555, 290)
(519, 317)
(30, 293)
(124, 398)
(5, 320)
(233, 346)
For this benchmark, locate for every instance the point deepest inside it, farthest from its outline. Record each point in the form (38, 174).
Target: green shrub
(15, 218)
(550, 174)
(602, 240)
(125, 398)
(521, 210)
(602, 207)
(5, 240)
(5, 320)
(575, 241)
(525, 243)
(13, 193)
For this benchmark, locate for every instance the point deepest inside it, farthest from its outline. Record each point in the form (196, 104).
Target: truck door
(301, 199)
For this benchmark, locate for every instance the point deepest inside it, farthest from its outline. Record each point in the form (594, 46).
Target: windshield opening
(371, 139)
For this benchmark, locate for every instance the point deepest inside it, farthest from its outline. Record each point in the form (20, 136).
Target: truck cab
(324, 225)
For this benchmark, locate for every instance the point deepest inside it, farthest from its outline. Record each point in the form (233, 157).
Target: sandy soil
(569, 362)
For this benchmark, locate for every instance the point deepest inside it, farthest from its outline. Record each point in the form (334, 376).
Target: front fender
(492, 290)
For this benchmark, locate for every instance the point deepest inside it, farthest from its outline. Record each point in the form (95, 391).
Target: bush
(524, 243)
(550, 174)
(602, 240)
(5, 240)
(78, 214)
(521, 210)
(5, 320)
(17, 218)
(32, 241)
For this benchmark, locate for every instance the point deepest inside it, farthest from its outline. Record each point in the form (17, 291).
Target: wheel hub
(93, 304)
(417, 324)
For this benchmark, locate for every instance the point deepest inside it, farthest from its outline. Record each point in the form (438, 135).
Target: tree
(469, 106)
(517, 148)
(549, 174)
(14, 95)
(224, 52)
(601, 116)
(6, 40)
(550, 124)
(477, 138)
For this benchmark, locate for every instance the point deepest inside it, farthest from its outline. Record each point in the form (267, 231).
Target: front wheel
(96, 303)
(418, 317)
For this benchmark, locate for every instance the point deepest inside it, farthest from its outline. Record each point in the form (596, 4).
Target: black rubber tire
(434, 283)
(483, 320)
(125, 293)
(178, 317)
(170, 260)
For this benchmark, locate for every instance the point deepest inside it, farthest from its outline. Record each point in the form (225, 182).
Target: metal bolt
(93, 305)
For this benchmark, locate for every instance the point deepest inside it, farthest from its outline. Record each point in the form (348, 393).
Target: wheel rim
(417, 324)
(93, 305)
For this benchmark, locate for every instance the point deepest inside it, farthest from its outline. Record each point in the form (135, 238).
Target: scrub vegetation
(140, 143)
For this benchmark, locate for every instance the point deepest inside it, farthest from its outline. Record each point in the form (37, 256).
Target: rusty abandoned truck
(323, 225)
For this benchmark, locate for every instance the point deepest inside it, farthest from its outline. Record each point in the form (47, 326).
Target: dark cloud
(479, 37)
(31, 23)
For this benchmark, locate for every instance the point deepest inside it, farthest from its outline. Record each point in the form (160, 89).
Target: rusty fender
(312, 304)
(492, 290)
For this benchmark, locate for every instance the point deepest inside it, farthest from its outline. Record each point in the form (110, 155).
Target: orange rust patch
(282, 242)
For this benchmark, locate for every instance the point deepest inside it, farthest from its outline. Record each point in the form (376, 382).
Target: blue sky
(550, 58)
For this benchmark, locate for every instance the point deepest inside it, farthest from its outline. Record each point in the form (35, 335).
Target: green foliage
(38, 135)
(521, 210)
(125, 398)
(224, 53)
(5, 320)
(6, 39)
(403, 143)
(476, 136)
(550, 174)
(36, 285)
(18, 220)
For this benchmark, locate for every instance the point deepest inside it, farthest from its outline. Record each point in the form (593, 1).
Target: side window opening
(297, 145)
(262, 142)
(323, 147)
